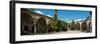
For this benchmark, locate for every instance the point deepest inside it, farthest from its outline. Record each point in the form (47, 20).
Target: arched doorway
(41, 26)
(26, 23)
(84, 26)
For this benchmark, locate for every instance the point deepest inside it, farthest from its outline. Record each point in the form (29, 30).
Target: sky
(64, 15)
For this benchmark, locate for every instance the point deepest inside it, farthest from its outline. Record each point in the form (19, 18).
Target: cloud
(84, 18)
(68, 21)
(60, 19)
(49, 15)
(79, 19)
(39, 12)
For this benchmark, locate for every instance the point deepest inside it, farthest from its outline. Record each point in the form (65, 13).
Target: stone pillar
(34, 27)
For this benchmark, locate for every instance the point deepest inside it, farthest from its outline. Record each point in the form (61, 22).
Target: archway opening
(84, 26)
(41, 26)
(26, 23)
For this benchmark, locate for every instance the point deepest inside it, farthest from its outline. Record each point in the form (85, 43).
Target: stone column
(34, 27)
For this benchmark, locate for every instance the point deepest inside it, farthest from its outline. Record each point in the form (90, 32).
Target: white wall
(4, 22)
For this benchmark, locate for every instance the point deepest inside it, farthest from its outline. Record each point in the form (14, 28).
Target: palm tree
(54, 21)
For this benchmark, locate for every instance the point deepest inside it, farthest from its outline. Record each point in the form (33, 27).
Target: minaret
(55, 14)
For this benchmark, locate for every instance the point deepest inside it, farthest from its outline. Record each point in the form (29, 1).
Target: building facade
(33, 23)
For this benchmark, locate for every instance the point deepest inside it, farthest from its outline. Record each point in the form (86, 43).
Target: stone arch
(84, 26)
(89, 27)
(41, 26)
(27, 22)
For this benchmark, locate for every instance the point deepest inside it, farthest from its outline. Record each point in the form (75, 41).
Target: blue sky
(65, 15)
